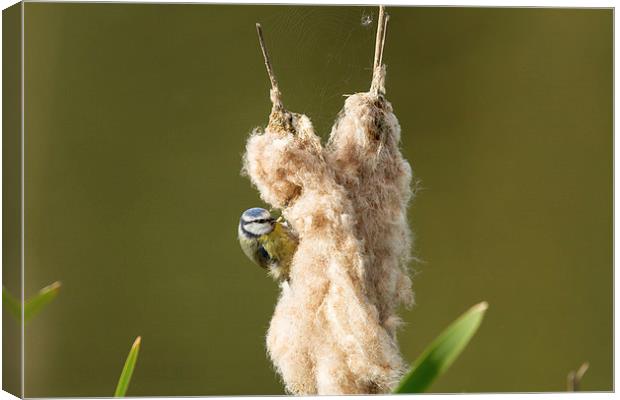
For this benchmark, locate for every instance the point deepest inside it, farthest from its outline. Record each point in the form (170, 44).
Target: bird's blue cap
(255, 213)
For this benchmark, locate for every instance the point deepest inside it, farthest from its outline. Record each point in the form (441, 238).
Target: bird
(268, 242)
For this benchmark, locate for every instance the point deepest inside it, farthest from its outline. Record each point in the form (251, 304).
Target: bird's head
(256, 222)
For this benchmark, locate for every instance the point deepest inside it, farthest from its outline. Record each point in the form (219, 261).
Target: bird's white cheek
(258, 229)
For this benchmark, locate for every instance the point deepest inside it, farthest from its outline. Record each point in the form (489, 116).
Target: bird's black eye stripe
(260, 221)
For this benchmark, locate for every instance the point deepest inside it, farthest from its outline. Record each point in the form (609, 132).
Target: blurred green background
(136, 117)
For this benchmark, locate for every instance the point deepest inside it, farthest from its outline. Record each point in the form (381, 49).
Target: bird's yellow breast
(281, 246)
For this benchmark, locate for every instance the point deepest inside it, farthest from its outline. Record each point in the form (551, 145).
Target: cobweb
(329, 52)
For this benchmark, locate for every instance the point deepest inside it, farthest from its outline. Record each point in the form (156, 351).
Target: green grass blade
(130, 363)
(11, 304)
(442, 352)
(40, 300)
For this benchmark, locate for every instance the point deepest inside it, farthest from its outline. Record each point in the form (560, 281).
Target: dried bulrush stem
(363, 149)
(280, 119)
(286, 164)
(378, 69)
(333, 328)
(573, 380)
(379, 40)
(275, 92)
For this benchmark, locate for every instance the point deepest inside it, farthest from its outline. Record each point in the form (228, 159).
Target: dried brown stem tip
(380, 39)
(383, 36)
(574, 378)
(275, 92)
(378, 72)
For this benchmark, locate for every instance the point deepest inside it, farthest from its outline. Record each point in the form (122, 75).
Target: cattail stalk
(333, 328)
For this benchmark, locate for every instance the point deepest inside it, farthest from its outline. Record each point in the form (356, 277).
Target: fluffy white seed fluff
(333, 328)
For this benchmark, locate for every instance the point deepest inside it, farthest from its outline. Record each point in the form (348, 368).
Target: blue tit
(270, 243)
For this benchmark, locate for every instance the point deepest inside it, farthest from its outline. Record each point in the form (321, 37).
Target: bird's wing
(264, 258)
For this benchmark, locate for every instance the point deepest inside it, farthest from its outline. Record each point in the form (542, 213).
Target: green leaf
(11, 304)
(33, 305)
(40, 300)
(442, 352)
(130, 363)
